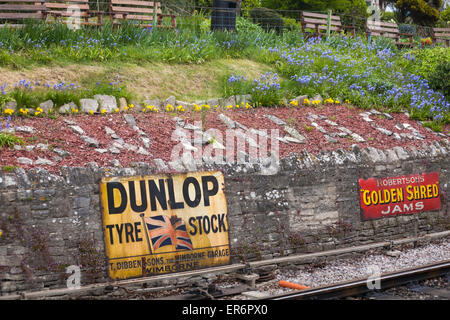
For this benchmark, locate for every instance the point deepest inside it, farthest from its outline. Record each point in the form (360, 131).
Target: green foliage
(7, 168)
(388, 16)
(244, 25)
(354, 12)
(292, 24)
(265, 90)
(235, 85)
(439, 79)
(375, 75)
(426, 60)
(268, 19)
(9, 140)
(418, 10)
(60, 98)
(26, 98)
(247, 5)
(445, 15)
(113, 89)
(433, 125)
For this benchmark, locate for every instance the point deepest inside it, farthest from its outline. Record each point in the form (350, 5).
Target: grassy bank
(193, 64)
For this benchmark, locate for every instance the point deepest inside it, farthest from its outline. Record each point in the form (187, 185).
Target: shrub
(267, 18)
(426, 60)
(388, 16)
(292, 24)
(439, 79)
(445, 15)
(418, 10)
(245, 25)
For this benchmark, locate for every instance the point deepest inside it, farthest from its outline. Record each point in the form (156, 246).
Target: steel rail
(360, 286)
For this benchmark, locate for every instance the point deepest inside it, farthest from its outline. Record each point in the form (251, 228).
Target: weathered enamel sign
(164, 223)
(399, 195)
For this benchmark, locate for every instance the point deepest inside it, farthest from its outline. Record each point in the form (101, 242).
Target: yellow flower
(329, 100)
(337, 101)
(294, 103)
(103, 111)
(150, 108)
(23, 111)
(206, 106)
(197, 107)
(117, 109)
(237, 106)
(9, 111)
(131, 106)
(126, 108)
(248, 106)
(347, 101)
(169, 108)
(306, 101)
(180, 108)
(74, 110)
(229, 106)
(91, 111)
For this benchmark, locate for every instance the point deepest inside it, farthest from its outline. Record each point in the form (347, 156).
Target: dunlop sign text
(164, 223)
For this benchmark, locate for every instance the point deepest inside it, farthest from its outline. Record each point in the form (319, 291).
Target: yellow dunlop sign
(164, 223)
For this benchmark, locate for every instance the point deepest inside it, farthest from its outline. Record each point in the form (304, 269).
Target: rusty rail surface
(358, 287)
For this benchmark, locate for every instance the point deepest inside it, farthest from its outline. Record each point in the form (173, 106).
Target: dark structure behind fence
(223, 15)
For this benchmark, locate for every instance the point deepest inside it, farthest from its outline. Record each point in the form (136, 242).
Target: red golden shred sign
(399, 195)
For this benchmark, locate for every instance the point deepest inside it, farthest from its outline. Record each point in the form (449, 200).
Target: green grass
(7, 168)
(188, 82)
(9, 140)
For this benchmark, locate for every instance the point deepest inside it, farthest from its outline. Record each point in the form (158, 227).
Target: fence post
(155, 19)
(328, 24)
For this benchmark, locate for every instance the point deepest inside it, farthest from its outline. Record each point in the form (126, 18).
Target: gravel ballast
(356, 268)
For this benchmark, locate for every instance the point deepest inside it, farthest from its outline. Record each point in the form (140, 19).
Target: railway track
(362, 286)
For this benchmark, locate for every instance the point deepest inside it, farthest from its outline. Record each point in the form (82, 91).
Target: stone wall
(49, 221)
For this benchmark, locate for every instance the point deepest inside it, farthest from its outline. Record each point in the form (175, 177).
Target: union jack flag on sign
(166, 231)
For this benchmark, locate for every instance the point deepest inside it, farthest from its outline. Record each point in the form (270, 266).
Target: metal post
(416, 230)
(328, 24)
(146, 233)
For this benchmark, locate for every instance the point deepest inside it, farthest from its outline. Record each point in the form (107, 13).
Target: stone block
(106, 102)
(46, 106)
(88, 105)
